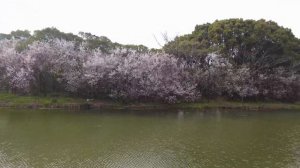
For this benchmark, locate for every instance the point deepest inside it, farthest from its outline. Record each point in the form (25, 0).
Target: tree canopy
(261, 43)
(91, 41)
(233, 59)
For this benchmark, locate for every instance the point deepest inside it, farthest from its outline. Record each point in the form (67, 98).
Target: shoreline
(35, 102)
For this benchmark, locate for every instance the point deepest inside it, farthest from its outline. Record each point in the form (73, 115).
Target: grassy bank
(245, 105)
(12, 100)
(17, 101)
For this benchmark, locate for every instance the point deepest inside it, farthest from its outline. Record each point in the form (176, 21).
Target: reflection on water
(180, 115)
(152, 138)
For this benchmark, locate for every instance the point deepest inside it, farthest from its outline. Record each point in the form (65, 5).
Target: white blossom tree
(61, 60)
(141, 75)
(68, 67)
(15, 72)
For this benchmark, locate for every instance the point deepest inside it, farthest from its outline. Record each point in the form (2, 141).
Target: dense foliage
(60, 66)
(89, 40)
(260, 60)
(260, 44)
(233, 59)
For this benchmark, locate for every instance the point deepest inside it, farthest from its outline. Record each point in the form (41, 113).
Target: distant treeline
(233, 59)
(91, 41)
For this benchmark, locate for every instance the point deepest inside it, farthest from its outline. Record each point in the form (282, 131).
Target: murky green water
(158, 138)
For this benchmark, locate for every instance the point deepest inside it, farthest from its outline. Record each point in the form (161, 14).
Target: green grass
(12, 100)
(244, 105)
(7, 99)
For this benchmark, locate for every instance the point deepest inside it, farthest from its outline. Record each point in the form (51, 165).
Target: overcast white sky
(137, 21)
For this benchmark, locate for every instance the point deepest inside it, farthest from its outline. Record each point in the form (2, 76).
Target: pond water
(149, 139)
